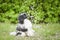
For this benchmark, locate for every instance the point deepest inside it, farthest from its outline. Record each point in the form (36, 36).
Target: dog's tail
(13, 33)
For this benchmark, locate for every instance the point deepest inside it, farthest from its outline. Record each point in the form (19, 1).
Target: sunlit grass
(43, 32)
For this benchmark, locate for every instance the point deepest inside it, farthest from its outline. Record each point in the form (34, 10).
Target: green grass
(43, 32)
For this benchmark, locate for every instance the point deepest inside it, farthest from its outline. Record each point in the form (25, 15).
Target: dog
(24, 26)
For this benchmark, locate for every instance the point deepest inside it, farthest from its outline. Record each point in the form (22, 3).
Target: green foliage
(42, 10)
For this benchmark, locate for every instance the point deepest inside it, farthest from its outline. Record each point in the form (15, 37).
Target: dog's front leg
(30, 33)
(20, 34)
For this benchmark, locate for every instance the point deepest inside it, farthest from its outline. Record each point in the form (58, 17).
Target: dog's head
(21, 17)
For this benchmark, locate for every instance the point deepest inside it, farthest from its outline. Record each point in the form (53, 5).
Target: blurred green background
(47, 11)
(43, 11)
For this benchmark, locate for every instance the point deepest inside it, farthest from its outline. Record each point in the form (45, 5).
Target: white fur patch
(13, 33)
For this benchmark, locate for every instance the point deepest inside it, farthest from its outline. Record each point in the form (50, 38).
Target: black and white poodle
(24, 27)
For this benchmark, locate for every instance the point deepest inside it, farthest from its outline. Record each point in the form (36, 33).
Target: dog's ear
(21, 17)
(25, 16)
